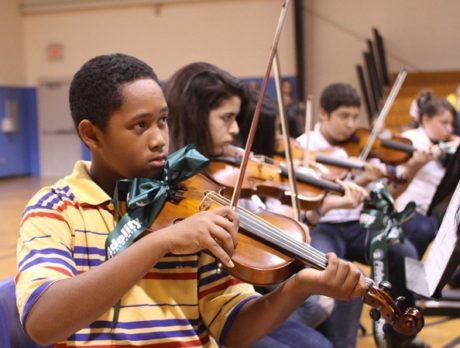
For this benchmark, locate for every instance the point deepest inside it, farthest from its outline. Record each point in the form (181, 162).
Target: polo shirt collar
(83, 186)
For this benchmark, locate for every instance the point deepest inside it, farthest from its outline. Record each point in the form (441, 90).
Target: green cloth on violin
(381, 216)
(145, 197)
(380, 213)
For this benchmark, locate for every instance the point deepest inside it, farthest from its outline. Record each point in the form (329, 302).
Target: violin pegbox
(408, 322)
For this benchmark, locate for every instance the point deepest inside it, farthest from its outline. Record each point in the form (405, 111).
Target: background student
(436, 124)
(339, 230)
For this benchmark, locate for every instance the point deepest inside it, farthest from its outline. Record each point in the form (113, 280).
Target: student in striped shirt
(165, 288)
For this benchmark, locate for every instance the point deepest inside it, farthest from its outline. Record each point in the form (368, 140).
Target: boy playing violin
(339, 230)
(165, 287)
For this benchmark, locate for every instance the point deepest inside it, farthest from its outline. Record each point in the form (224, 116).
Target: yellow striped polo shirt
(181, 302)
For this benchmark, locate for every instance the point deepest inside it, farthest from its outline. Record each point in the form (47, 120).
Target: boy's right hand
(213, 231)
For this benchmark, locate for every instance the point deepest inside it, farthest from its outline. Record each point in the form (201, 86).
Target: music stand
(429, 278)
(444, 191)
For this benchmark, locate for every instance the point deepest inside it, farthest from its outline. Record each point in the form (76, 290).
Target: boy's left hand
(340, 280)
(212, 230)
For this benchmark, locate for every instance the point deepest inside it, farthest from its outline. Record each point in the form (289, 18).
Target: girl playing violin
(339, 230)
(166, 287)
(436, 124)
(214, 101)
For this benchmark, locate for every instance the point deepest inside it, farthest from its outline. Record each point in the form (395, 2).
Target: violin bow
(308, 112)
(286, 138)
(383, 114)
(255, 119)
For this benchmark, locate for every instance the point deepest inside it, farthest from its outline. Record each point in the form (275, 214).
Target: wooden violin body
(271, 180)
(263, 179)
(331, 167)
(393, 151)
(256, 262)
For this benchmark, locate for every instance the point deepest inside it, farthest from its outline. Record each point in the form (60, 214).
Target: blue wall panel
(19, 149)
(271, 88)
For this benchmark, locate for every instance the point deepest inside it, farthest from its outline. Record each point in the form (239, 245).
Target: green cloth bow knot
(145, 197)
(380, 213)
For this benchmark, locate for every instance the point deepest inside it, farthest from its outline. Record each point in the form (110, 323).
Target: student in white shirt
(339, 231)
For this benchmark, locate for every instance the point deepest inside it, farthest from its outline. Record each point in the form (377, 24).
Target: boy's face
(222, 124)
(135, 143)
(340, 124)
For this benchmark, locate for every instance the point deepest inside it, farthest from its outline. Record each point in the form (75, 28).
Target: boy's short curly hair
(95, 88)
(339, 94)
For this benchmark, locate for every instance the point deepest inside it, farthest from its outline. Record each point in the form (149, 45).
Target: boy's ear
(89, 134)
(322, 114)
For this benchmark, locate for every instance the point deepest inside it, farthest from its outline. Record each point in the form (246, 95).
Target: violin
(272, 247)
(336, 167)
(393, 151)
(268, 178)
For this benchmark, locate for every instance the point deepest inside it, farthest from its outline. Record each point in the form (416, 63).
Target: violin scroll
(408, 322)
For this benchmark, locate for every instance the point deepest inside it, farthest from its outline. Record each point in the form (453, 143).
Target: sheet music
(444, 243)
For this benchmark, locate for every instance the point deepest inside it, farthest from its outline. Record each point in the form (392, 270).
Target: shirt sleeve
(221, 296)
(44, 249)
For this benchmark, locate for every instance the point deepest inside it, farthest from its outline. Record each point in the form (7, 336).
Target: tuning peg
(388, 329)
(385, 286)
(375, 314)
(400, 301)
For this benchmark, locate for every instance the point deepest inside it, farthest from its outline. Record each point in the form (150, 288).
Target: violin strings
(272, 228)
(248, 215)
(278, 237)
(271, 233)
(296, 247)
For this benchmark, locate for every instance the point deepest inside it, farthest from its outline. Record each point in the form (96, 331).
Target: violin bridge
(206, 202)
